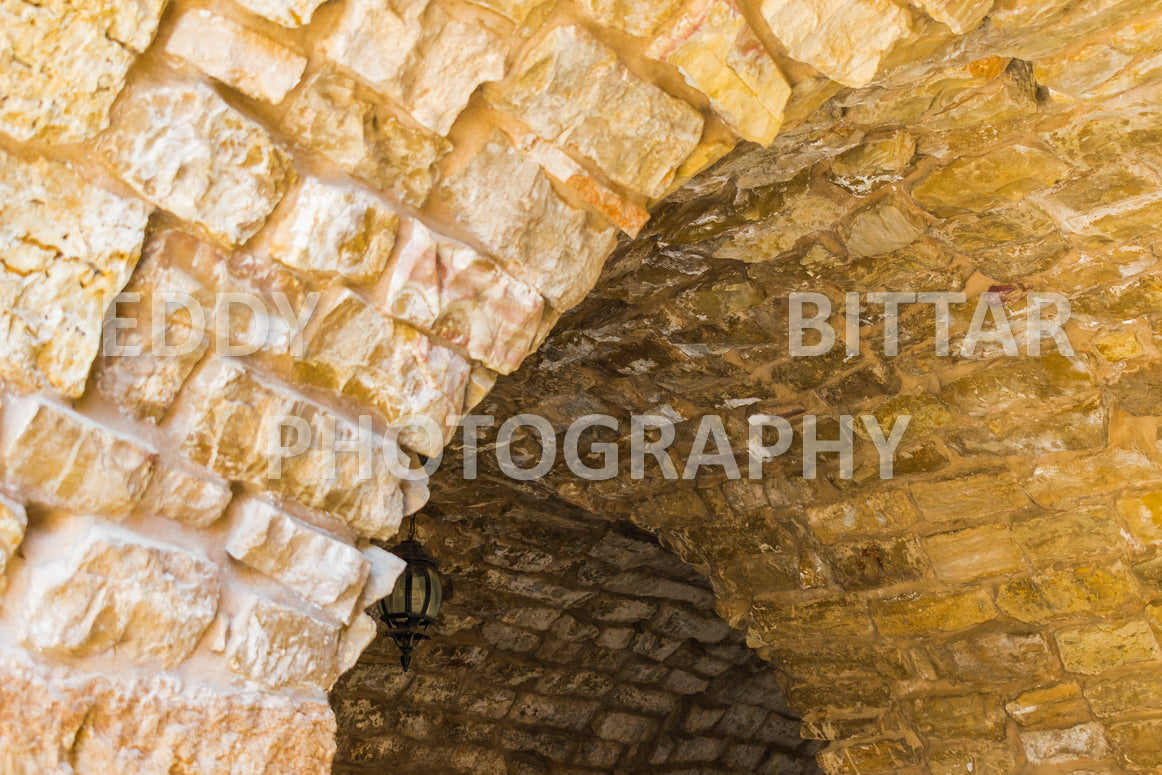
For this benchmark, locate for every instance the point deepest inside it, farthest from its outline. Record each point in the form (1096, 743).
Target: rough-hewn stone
(187, 151)
(273, 646)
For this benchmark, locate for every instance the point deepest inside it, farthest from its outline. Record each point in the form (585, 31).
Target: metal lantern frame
(414, 603)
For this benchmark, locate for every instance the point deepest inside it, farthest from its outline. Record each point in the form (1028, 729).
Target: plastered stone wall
(566, 643)
(447, 196)
(994, 607)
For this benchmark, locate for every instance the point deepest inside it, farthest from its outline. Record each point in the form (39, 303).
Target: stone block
(928, 613)
(960, 15)
(835, 618)
(1061, 705)
(289, 13)
(1139, 744)
(327, 230)
(61, 459)
(718, 54)
(435, 61)
(1060, 594)
(461, 297)
(973, 716)
(1104, 64)
(334, 116)
(884, 226)
(539, 237)
(351, 349)
(1138, 692)
(979, 552)
(867, 757)
(66, 250)
(877, 563)
(117, 591)
(1137, 392)
(979, 183)
(62, 63)
(229, 427)
(559, 712)
(879, 160)
(193, 498)
(183, 148)
(881, 512)
(1054, 482)
(977, 496)
(1074, 535)
(141, 370)
(1060, 746)
(223, 49)
(979, 758)
(994, 655)
(13, 523)
(320, 569)
(278, 647)
(1094, 648)
(637, 18)
(844, 40)
(572, 90)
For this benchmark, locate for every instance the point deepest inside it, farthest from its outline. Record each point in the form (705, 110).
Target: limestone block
(1005, 175)
(334, 116)
(1059, 746)
(1140, 743)
(989, 656)
(960, 15)
(1139, 692)
(237, 424)
(860, 757)
(195, 499)
(1057, 706)
(1094, 648)
(882, 227)
(871, 564)
(13, 522)
(355, 639)
(63, 62)
(1105, 64)
(967, 716)
(836, 618)
(140, 369)
(629, 216)
(881, 512)
(1087, 532)
(716, 51)
(966, 555)
(1143, 515)
(321, 569)
(927, 613)
(1008, 382)
(275, 646)
(350, 348)
(572, 90)
(289, 13)
(435, 61)
(1054, 482)
(979, 758)
(844, 40)
(62, 459)
(149, 601)
(253, 64)
(975, 496)
(327, 230)
(184, 149)
(507, 203)
(66, 249)
(1061, 594)
(637, 18)
(64, 721)
(879, 160)
(457, 295)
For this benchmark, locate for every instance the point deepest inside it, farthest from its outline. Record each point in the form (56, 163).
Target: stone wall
(566, 644)
(424, 211)
(994, 607)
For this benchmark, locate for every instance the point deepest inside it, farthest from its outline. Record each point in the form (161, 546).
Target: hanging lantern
(413, 605)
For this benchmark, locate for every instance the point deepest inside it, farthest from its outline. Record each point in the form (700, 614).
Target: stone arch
(160, 574)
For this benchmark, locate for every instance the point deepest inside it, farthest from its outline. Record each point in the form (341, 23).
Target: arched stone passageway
(318, 233)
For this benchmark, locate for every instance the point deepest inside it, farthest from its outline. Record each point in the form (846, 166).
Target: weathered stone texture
(148, 601)
(276, 646)
(435, 61)
(290, 13)
(59, 458)
(183, 148)
(572, 90)
(253, 64)
(62, 63)
(66, 249)
(321, 569)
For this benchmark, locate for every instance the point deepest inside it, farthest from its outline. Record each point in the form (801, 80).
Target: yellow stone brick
(860, 758)
(1094, 648)
(1139, 692)
(973, 554)
(1064, 593)
(1086, 532)
(1143, 515)
(978, 758)
(996, 178)
(1054, 706)
(928, 613)
(989, 494)
(974, 716)
(880, 512)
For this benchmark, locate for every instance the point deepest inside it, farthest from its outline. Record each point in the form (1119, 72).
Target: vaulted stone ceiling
(423, 213)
